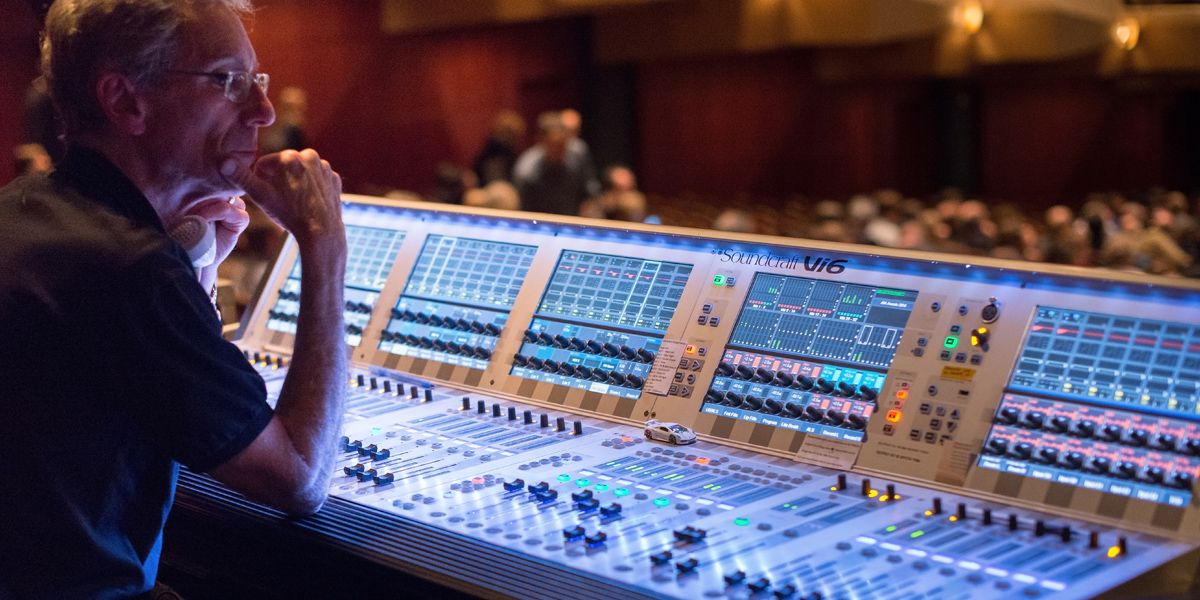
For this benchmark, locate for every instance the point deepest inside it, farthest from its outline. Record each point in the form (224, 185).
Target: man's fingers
(224, 214)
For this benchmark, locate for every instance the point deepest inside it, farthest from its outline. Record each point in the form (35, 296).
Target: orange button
(893, 416)
(691, 349)
(702, 460)
(902, 394)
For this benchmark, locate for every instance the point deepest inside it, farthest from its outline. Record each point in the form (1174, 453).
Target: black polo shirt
(112, 373)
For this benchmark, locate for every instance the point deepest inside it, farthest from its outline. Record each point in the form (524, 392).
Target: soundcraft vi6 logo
(810, 263)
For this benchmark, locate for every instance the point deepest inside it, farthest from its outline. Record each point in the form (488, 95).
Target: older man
(111, 358)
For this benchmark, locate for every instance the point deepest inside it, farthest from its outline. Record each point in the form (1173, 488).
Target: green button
(601, 487)
(376, 430)
(661, 502)
(621, 492)
(564, 478)
(583, 482)
(741, 521)
(916, 534)
(890, 528)
(719, 280)
(951, 342)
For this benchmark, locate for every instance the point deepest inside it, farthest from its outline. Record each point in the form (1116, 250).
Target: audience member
(548, 178)
(496, 160)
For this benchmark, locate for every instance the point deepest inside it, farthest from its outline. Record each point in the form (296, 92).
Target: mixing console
(870, 425)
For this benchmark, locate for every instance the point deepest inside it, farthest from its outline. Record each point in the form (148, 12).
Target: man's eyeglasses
(236, 83)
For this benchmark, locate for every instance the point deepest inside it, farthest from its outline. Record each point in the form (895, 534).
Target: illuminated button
(661, 502)
(601, 487)
(690, 349)
(582, 482)
(950, 342)
(618, 492)
(719, 280)
(564, 478)
(902, 394)
(741, 521)
(893, 416)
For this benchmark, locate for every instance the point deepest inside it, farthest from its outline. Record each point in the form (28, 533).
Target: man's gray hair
(139, 38)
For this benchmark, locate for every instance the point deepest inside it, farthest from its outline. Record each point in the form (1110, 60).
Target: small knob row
(596, 347)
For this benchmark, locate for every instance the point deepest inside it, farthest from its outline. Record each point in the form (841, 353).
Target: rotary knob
(1008, 415)
(1084, 429)
(1058, 424)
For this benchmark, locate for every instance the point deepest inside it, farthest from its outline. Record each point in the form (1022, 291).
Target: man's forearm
(313, 396)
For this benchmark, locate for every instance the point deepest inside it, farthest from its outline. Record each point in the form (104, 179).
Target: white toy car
(673, 433)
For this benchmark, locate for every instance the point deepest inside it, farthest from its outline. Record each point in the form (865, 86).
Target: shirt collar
(101, 181)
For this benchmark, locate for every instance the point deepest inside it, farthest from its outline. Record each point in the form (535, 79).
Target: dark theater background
(729, 98)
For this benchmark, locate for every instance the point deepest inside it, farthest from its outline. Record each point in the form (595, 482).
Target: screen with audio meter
(601, 322)
(809, 355)
(370, 254)
(1103, 402)
(457, 300)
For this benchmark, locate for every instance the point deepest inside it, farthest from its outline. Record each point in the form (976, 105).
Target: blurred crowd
(1155, 232)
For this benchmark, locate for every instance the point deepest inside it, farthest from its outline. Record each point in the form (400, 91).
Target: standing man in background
(112, 357)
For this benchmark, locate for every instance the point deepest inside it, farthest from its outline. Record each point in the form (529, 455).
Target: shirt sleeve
(191, 393)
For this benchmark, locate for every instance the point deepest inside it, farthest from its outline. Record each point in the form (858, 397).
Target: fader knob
(724, 369)
(611, 349)
(1047, 456)
(856, 422)
(752, 403)
(1192, 446)
(825, 385)
(794, 409)
(763, 375)
(804, 382)
(1098, 465)
(735, 578)
(783, 379)
(867, 392)
(634, 381)
(628, 353)
(733, 399)
(713, 397)
(645, 355)
(845, 389)
(772, 406)
(743, 372)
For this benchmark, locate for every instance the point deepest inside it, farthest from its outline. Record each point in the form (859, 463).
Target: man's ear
(124, 107)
